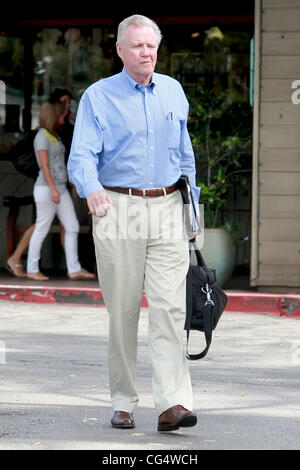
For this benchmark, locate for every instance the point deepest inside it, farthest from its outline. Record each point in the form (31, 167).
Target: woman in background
(14, 262)
(51, 195)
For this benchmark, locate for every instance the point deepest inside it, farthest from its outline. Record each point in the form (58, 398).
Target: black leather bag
(23, 157)
(205, 302)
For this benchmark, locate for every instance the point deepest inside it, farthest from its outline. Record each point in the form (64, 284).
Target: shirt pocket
(174, 130)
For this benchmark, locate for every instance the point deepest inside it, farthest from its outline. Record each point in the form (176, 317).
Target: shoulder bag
(205, 302)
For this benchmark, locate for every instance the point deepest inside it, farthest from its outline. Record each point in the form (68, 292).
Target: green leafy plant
(221, 133)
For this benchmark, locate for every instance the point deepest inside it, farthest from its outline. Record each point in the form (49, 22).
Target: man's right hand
(99, 203)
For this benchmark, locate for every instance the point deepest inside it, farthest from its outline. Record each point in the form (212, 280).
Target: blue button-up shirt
(131, 135)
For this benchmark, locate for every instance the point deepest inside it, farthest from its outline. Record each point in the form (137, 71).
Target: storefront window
(216, 57)
(213, 57)
(71, 58)
(36, 60)
(12, 90)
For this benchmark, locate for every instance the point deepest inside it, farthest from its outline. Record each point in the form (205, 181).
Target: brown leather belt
(155, 192)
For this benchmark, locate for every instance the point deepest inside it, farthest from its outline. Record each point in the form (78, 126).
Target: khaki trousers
(141, 244)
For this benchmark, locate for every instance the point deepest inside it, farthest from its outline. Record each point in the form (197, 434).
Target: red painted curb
(238, 301)
(257, 302)
(51, 295)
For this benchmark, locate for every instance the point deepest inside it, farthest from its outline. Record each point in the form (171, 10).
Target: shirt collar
(133, 85)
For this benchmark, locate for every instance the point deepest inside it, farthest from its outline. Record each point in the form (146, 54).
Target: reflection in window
(71, 58)
(12, 90)
(214, 58)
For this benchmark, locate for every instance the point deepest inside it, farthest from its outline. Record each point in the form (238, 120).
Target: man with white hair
(129, 149)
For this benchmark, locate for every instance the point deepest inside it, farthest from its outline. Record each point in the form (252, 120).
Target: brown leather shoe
(175, 417)
(122, 420)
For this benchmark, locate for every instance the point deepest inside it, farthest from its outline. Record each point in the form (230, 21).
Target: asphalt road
(54, 390)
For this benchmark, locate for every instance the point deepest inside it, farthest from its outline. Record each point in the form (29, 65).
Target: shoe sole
(185, 422)
(39, 279)
(123, 426)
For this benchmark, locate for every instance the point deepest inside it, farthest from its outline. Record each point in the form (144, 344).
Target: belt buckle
(150, 189)
(143, 190)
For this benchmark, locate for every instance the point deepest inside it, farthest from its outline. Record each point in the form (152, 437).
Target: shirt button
(149, 114)
(151, 130)
(151, 148)
(151, 183)
(151, 166)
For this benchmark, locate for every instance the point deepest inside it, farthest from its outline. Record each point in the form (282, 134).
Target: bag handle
(200, 260)
(207, 313)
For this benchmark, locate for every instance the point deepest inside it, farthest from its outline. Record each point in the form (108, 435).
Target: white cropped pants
(46, 210)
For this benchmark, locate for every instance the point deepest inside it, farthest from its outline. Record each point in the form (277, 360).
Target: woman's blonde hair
(50, 114)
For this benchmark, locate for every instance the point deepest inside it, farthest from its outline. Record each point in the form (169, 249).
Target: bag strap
(207, 316)
(200, 259)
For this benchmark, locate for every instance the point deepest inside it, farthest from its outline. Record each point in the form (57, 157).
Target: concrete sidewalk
(54, 383)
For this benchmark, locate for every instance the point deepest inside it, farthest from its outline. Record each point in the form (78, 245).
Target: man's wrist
(91, 187)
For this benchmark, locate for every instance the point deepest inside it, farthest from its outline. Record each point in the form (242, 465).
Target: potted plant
(221, 134)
